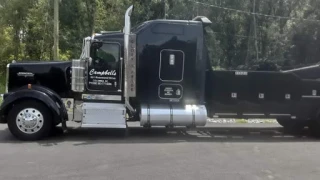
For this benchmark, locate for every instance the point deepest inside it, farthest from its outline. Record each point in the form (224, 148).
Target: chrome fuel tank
(171, 115)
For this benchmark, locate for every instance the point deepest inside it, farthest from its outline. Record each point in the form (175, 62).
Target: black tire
(292, 125)
(42, 132)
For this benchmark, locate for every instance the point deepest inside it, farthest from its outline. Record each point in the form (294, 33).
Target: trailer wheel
(292, 125)
(30, 120)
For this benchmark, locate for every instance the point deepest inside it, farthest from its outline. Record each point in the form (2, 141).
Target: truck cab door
(104, 71)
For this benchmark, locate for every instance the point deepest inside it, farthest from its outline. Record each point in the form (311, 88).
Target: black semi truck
(158, 73)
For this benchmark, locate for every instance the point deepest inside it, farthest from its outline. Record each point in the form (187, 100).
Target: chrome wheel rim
(29, 120)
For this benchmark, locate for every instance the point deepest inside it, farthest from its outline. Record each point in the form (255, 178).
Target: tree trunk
(255, 30)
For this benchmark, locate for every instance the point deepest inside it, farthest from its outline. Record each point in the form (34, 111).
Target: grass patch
(241, 121)
(270, 121)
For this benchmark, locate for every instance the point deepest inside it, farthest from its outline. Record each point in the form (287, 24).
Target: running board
(103, 115)
(118, 126)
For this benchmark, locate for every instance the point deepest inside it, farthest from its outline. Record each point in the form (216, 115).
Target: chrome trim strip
(280, 114)
(131, 64)
(121, 70)
(101, 97)
(253, 114)
(226, 114)
(310, 96)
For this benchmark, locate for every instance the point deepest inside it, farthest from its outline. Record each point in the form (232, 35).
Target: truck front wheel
(30, 120)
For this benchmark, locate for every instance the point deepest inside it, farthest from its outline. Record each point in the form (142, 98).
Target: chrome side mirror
(90, 61)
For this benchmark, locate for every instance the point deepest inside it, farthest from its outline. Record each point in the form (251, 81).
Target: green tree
(287, 31)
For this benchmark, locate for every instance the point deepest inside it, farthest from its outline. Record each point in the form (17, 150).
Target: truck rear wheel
(293, 125)
(30, 120)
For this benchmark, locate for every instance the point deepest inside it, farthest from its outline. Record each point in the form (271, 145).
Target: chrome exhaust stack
(130, 60)
(79, 67)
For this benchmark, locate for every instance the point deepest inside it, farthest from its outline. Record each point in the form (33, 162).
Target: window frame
(119, 53)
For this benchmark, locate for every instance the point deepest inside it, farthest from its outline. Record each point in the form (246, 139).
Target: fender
(54, 96)
(47, 98)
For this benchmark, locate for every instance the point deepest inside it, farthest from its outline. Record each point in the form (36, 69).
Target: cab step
(103, 115)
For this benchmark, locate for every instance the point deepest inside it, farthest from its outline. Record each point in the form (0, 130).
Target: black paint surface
(53, 75)
(184, 39)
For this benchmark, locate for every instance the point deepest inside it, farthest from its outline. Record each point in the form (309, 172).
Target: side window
(107, 56)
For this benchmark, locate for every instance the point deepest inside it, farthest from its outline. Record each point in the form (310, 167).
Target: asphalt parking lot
(218, 151)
